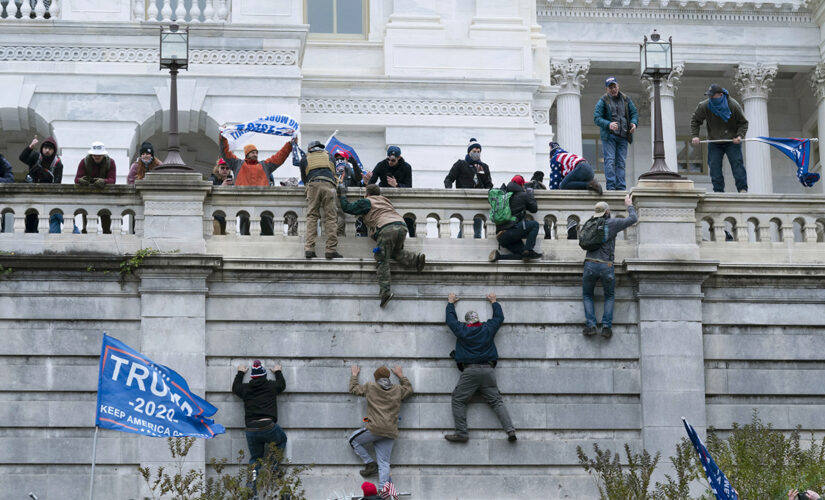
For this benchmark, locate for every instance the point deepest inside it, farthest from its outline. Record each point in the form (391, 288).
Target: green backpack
(593, 233)
(500, 206)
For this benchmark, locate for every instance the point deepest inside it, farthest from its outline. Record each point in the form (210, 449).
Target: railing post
(173, 205)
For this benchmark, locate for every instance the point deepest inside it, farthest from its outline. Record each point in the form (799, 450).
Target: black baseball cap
(714, 88)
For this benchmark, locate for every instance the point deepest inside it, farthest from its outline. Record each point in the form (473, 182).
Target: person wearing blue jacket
(617, 117)
(476, 356)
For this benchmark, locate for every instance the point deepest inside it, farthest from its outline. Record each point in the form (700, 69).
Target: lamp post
(174, 55)
(656, 59)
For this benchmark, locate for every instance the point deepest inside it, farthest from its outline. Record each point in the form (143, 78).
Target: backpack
(500, 206)
(593, 233)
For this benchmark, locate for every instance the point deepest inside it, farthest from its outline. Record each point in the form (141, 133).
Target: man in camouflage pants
(387, 227)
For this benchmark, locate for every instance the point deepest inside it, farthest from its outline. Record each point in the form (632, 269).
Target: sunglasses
(223, 168)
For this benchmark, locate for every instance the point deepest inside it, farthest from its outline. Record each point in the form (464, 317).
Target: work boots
(595, 186)
(369, 469)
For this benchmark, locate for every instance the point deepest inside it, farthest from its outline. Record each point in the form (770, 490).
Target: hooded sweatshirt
(259, 396)
(383, 405)
(43, 169)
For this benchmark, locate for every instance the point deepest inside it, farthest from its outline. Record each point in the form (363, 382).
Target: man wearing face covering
(45, 167)
(470, 173)
(724, 119)
(146, 162)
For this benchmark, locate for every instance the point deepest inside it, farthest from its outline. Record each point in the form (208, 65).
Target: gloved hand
(100, 183)
(83, 181)
(529, 191)
(342, 189)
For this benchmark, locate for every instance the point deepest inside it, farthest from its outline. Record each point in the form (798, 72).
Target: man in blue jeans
(725, 121)
(617, 117)
(260, 409)
(598, 265)
(571, 171)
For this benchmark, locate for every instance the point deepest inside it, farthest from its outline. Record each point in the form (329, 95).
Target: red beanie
(518, 180)
(368, 488)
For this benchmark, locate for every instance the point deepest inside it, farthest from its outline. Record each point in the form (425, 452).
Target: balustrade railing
(182, 11)
(37, 10)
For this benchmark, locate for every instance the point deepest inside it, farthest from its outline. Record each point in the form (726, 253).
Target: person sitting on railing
(97, 170)
(510, 234)
(571, 171)
(221, 176)
(6, 174)
(470, 173)
(387, 227)
(146, 162)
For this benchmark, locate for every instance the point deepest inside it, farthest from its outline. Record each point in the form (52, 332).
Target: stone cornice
(714, 14)
(145, 55)
(416, 107)
(755, 80)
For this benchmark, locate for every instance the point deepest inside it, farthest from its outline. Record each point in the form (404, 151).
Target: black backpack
(593, 233)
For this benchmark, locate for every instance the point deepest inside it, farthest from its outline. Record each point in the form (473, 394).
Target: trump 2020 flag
(798, 150)
(718, 482)
(135, 394)
(270, 125)
(334, 145)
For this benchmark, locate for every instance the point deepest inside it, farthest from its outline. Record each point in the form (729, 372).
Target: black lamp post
(656, 59)
(174, 55)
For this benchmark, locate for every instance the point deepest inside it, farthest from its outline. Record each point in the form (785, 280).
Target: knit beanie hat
(538, 175)
(471, 317)
(473, 144)
(147, 147)
(249, 148)
(518, 180)
(368, 488)
(393, 151)
(373, 190)
(257, 369)
(381, 372)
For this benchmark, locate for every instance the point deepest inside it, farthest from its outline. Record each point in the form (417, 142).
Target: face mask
(475, 155)
(145, 162)
(717, 100)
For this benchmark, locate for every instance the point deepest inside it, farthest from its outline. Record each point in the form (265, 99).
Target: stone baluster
(764, 231)
(68, 223)
(817, 80)
(444, 228)
(209, 12)
(25, 9)
(40, 10)
(255, 225)
(91, 223)
(166, 11)
(152, 11)
(667, 93)
(54, 9)
(43, 222)
(421, 226)
(787, 232)
(719, 230)
(194, 12)
(570, 76)
(139, 10)
(223, 12)
(755, 82)
(810, 231)
(180, 12)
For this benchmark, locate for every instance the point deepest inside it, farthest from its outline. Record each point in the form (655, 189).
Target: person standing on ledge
(470, 173)
(617, 117)
(726, 122)
(476, 356)
(319, 176)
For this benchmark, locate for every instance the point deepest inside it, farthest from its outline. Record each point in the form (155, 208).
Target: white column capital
(755, 80)
(669, 85)
(570, 75)
(817, 81)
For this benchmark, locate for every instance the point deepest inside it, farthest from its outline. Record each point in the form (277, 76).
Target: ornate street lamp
(656, 59)
(174, 55)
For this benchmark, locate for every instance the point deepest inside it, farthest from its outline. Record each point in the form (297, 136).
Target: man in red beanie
(381, 428)
(509, 234)
(370, 491)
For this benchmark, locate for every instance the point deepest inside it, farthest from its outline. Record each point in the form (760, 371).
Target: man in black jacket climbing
(510, 234)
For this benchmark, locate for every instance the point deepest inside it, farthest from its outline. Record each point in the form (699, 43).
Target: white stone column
(667, 93)
(570, 76)
(755, 82)
(817, 80)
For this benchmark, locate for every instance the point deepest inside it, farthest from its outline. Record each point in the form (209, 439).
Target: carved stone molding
(817, 80)
(754, 80)
(399, 107)
(667, 214)
(569, 75)
(173, 208)
(145, 55)
(669, 85)
(705, 12)
(541, 117)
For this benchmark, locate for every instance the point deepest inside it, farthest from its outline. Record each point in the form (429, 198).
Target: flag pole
(94, 458)
(711, 141)
(330, 137)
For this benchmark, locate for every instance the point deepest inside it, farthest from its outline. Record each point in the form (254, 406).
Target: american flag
(798, 150)
(720, 485)
(388, 491)
(561, 164)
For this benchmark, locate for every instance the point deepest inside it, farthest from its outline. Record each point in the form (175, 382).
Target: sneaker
(333, 255)
(457, 438)
(743, 190)
(420, 261)
(309, 254)
(530, 255)
(370, 469)
(511, 436)
(589, 331)
(386, 298)
(595, 186)
(607, 332)
(494, 256)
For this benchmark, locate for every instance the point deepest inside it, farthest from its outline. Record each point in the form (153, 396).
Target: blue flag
(135, 394)
(718, 482)
(798, 150)
(334, 145)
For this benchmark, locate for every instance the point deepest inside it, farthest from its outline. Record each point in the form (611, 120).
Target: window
(592, 151)
(691, 159)
(337, 17)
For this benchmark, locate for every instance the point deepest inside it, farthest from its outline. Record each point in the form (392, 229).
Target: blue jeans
(614, 150)
(578, 178)
(258, 442)
(511, 238)
(737, 165)
(594, 271)
(54, 223)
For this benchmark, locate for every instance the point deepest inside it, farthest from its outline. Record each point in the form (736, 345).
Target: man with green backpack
(598, 237)
(508, 208)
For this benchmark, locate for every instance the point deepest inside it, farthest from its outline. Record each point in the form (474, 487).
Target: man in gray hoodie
(598, 265)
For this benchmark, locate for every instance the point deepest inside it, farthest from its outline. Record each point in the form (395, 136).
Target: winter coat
(52, 172)
(736, 126)
(402, 173)
(467, 176)
(602, 116)
(89, 169)
(137, 173)
(605, 252)
(259, 396)
(383, 405)
(266, 167)
(475, 344)
(6, 175)
(521, 202)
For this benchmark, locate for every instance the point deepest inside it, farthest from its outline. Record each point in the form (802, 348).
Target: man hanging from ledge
(387, 227)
